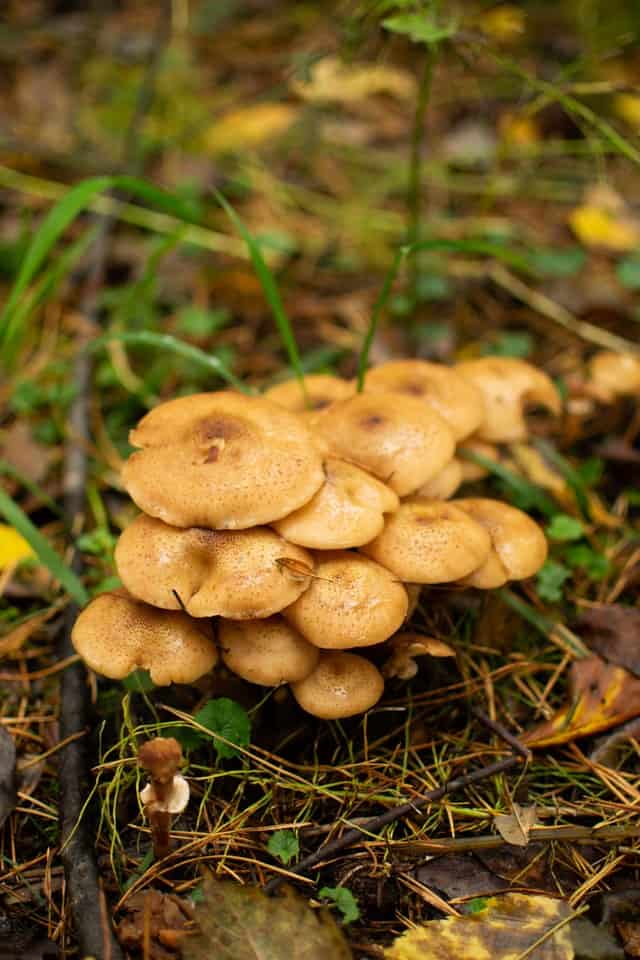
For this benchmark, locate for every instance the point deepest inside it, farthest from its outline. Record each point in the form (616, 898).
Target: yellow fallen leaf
(330, 79)
(504, 23)
(597, 227)
(627, 107)
(249, 126)
(13, 547)
(518, 130)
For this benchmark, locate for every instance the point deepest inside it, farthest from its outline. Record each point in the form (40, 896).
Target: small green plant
(224, 718)
(550, 580)
(344, 901)
(284, 845)
(565, 528)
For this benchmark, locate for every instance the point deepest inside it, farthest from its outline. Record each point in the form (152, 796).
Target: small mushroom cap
(615, 374)
(161, 756)
(176, 801)
(116, 634)
(347, 511)
(508, 385)
(457, 400)
(322, 389)
(221, 460)
(444, 484)
(268, 652)
(473, 471)
(430, 541)
(398, 439)
(351, 602)
(518, 545)
(405, 647)
(235, 574)
(342, 685)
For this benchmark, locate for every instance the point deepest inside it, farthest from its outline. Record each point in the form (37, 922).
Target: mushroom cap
(322, 389)
(398, 439)
(342, 685)
(518, 545)
(508, 385)
(473, 471)
(445, 483)
(176, 801)
(234, 573)
(268, 652)
(221, 460)
(457, 400)
(430, 541)
(347, 511)
(116, 634)
(351, 602)
(615, 374)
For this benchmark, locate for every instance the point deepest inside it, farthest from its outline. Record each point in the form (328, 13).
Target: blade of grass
(526, 493)
(556, 632)
(569, 473)
(34, 488)
(17, 518)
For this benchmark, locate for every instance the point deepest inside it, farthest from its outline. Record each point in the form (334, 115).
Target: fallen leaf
(165, 917)
(249, 126)
(243, 923)
(601, 696)
(26, 455)
(13, 547)
(629, 931)
(515, 827)
(15, 639)
(506, 928)
(603, 220)
(521, 131)
(330, 80)
(594, 941)
(7, 775)
(613, 631)
(459, 875)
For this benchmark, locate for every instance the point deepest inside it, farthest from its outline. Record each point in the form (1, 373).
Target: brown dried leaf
(515, 827)
(165, 917)
(243, 923)
(508, 927)
(613, 632)
(15, 639)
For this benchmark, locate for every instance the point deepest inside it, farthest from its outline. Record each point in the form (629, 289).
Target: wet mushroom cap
(398, 439)
(430, 541)
(615, 374)
(508, 386)
(322, 389)
(445, 483)
(117, 634)
(221, 460)
(351, 602)
(347, 511)
(240, 574)
(342, 685)
(267, 652)
(518, 545)
(457, 400)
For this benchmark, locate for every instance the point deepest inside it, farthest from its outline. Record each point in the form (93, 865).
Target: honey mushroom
(342, 685)
(445, 483)
(615, 374)
(221, 460)
(267, 652)
(239, 574)
(321, 391)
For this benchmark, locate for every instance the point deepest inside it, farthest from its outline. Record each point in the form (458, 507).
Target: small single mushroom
(615, 374)
(223, 461)
(117, 634)
(445, 483)
(430, 541)
(405, 647)
(342, 685)
(321, 391)
(267, 652)
(457, 400)
(347, 511)
(232, 573)
(167, 794)
(518, 545)
(508, 386)
(351, 602)
(398, 439)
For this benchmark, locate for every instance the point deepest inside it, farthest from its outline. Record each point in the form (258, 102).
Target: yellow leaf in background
(518, 130)
(504, 23)
(597, 227)
(331, 79)
(627, 107)
(13, 547)
(249, 126)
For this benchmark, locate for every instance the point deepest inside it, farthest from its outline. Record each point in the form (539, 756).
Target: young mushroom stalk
(167, 794)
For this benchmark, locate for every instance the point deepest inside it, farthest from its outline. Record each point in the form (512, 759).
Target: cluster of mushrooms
(284, 532)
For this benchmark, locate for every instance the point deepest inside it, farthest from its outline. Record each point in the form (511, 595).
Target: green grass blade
(56, 566)
(270, 289)
(376, 313)
(526, 494)
(34, 488)
(572, 477)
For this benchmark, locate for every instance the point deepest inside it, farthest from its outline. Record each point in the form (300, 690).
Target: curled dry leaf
(515, 827)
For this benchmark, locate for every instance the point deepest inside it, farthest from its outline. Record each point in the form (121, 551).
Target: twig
(503, 733)
(592, 835)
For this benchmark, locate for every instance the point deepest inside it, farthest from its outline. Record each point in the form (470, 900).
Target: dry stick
(503, 733)
(492, 841)
(375, 824)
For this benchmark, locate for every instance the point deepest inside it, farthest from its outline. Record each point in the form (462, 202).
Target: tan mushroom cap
(351, 602)
(457, 400)
(322, 389)
(518, 545)
(347, 511)
(236, 574)
(615, 374)
(268, 652)
(430, 541)
(473, 471)
(445, 483)
(221, 460)
(342, 685)
(508, 386)
(398, 439)
(117, 634)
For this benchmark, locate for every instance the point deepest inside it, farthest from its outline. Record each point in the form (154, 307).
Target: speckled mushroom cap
(398, 439)
(268, 652)
(116, 634)
(518, 545)
(322, 389)
(351, 602)
(508, 386)
(342, 685)
(235, 573)
(347, 511)
(445, 483)
(615, 374)
(430, 541)
(221, 460)
(457, 400)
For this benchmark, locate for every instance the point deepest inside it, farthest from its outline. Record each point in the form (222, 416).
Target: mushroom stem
(167, 793)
